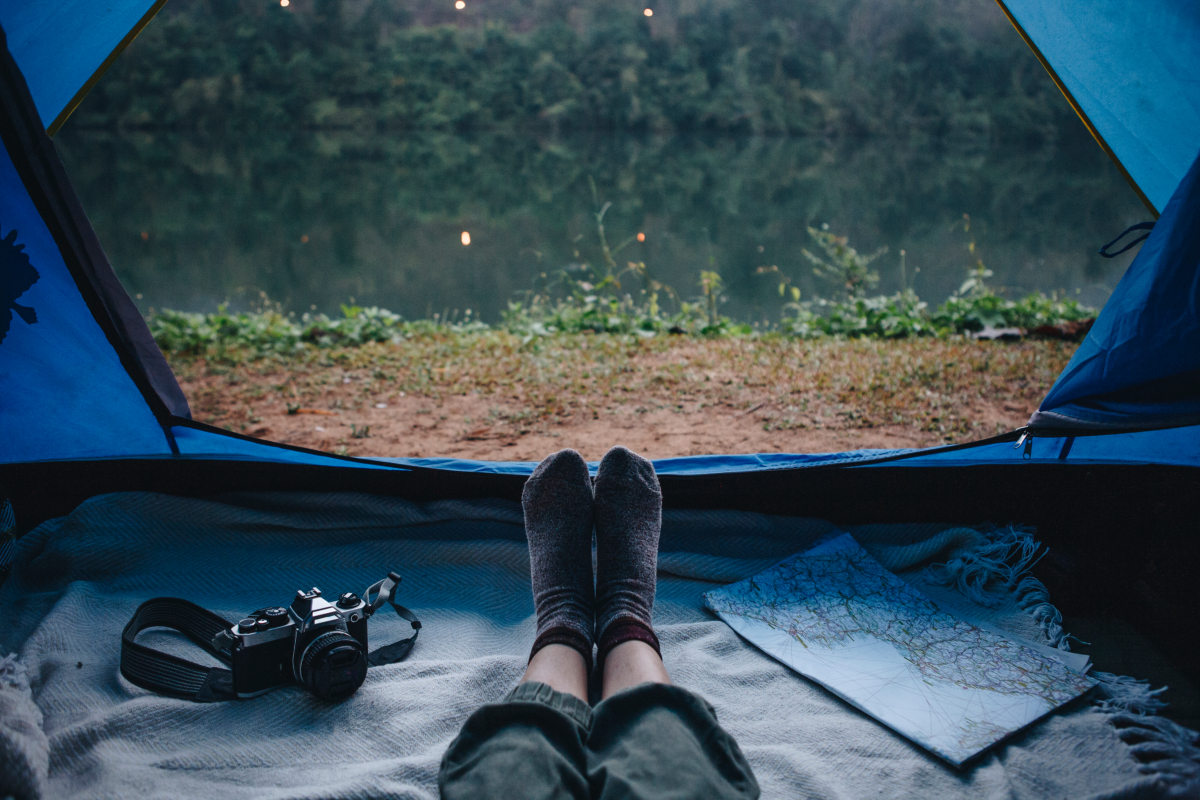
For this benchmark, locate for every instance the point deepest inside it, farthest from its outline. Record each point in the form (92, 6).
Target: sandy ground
(673, 399)
(458, 427)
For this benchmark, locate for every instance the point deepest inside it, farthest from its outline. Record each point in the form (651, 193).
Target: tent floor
(1122, 538)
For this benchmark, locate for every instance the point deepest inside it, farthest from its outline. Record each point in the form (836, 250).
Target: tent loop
(1141, 226)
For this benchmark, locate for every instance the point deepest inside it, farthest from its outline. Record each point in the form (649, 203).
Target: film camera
(318, 644)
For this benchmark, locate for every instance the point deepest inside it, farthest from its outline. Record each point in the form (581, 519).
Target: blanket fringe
(1164, 749)
(990, 573)
(1125, 695)
(24, 750)
(999, 570)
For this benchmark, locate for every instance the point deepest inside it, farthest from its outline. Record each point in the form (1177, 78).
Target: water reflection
(313, 219)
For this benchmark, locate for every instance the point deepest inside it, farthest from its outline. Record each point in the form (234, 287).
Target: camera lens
(333, 666)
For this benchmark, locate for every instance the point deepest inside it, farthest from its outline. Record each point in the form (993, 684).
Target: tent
(90, 406)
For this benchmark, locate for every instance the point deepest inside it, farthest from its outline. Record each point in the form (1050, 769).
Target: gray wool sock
(557, 501)
(628, 522)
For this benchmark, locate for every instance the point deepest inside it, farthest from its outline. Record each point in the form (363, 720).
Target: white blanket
(466, 574)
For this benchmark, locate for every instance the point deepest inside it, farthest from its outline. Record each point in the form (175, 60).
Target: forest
(927, 70)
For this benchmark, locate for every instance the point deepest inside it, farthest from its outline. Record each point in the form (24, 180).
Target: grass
(582, 343)
(937, 385)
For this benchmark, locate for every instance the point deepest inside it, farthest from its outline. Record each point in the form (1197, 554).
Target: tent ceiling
(1131, 69)
(64, 46)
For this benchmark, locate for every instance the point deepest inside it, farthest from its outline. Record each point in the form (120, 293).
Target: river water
(312, 220)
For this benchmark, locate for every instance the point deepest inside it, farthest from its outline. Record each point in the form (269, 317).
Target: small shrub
(845, 266)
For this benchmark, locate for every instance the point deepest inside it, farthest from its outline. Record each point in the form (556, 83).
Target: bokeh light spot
(460, 5)
(641, 237)
(304, 239)
(466, 238)
(649, 12)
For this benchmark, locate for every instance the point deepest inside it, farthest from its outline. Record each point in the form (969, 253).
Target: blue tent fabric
(1179, 446)
(66, 393)
(1140, 364)
(61, 45)
(684, 465)
(198, 443)
(84, 379)
(1132, 68)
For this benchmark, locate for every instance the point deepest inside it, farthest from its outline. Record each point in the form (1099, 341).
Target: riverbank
(496, 395)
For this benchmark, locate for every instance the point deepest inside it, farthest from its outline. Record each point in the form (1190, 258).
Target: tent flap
(83, 377)
(1139, 366)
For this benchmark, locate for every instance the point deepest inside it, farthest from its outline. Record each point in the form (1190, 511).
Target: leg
(663, 742)
(558, 505)
(530, 746)
(648, 739)
(561, 668)
(630, 664)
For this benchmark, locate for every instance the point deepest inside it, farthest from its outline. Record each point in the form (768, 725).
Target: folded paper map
(836, 616)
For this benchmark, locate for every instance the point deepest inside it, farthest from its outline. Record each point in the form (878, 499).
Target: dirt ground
(499, 398)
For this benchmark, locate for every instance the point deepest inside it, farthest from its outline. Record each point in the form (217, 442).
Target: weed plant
(583, 298)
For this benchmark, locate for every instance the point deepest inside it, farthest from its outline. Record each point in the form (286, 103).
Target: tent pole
(99, 73)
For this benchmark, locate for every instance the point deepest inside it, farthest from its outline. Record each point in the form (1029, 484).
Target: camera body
(318, 644)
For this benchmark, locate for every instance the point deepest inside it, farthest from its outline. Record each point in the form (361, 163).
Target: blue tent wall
(1131, 68)
(82, 375)
(1140, 364)
(64, 46)
(66, 393)
(80, 406)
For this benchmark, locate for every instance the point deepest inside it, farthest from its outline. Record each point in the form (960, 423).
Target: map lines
(837, 616)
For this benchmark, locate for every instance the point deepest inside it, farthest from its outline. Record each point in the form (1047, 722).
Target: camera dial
(275, 616)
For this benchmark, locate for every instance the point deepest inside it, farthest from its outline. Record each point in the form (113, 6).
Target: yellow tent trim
(92, 81)
(1079, 111)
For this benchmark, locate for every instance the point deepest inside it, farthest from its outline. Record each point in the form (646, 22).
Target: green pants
(651, 741)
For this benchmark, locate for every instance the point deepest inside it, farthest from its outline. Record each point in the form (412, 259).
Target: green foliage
(974, 313)
(974, 307)
(250, 335)
(584, 299)
(829, 68)
(895, 317)
(846, 267)
(573, 304)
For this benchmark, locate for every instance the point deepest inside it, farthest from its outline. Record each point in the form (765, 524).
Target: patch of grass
(938, 385)
(583, 299)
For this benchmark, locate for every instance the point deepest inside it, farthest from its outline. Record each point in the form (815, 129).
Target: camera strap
(173, 676)
(384, 591)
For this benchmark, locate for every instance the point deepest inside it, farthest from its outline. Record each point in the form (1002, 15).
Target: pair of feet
(614, 612)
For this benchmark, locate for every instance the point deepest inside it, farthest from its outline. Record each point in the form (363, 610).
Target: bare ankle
(560, 667)
(629, 664)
